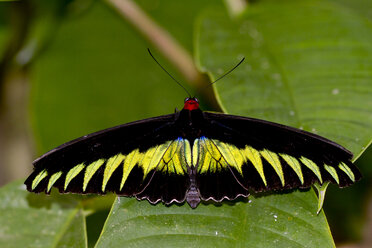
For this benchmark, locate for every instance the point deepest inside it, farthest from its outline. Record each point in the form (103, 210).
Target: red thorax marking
(191, 104)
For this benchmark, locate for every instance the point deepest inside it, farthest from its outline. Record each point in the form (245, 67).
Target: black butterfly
(191, 156)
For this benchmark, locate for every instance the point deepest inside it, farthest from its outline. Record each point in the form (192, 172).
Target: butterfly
(193, 156)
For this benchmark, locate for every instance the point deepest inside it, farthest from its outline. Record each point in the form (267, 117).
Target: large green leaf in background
(38, 220)
(308, 65)
(96, 74)
(359, 7)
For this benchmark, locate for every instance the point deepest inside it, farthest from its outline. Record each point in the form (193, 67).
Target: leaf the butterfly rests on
(192, 156)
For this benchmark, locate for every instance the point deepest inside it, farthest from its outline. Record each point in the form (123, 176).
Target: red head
(191, 103)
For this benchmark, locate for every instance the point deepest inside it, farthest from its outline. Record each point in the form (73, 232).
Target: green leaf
(359, 7)
(310, 68)
(275, 221)
(29, 220)
(96, 74)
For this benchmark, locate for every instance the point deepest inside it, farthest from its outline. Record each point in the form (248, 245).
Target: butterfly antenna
(148, 49)
(227, 73)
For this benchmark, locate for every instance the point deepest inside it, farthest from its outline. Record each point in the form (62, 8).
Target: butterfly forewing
(266, 156)
(123, 159)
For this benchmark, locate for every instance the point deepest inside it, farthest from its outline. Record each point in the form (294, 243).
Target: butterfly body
(192, 156)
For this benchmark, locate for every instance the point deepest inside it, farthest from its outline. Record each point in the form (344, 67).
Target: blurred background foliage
(71, 67)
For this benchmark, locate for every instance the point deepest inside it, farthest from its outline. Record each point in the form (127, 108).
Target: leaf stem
(160, 38)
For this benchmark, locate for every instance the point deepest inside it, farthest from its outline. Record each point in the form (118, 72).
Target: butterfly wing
(262, 155)
(214, 176)
(132, 159)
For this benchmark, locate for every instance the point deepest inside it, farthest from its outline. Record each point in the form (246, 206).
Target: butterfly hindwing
(123, 159)
(170, 179)
(215, 177)
(269, 156)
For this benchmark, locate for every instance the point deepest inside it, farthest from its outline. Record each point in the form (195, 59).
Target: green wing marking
(273, 159)
(71, 174)
(131, 160)
(43, 174)
(53, 179)
(332, 171)
(208, 157)
(347, 171)
(232, 156)
(312, 166)
(255, 158)
(295, 165)
(111, 165)
(90, 170)
(153, 156)
(174, 159)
